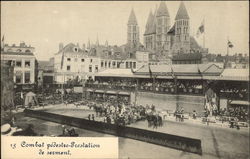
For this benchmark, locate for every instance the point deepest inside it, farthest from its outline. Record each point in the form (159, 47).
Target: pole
(62, 93)
(226, 60)
(204, 36)
(136, 90)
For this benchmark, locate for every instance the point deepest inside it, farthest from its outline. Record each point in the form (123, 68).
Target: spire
(132, 18)
(182, 12)
(97, 41)
(162, 10)
(150, 23)
(106, 44)
(154, 21)
(88, 47)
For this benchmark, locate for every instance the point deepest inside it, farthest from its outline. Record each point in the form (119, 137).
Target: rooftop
(182, 12)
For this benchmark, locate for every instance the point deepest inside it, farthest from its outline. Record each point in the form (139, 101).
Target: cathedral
(160, 37)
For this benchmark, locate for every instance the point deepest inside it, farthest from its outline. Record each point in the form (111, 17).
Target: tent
(30, 98)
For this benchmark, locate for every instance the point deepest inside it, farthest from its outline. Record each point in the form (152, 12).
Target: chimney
(60, 46)
(22, 44)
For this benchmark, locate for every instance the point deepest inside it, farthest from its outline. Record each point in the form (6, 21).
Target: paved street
(217, 142)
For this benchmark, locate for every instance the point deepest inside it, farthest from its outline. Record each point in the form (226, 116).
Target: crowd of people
(120, 112)
(157, 86)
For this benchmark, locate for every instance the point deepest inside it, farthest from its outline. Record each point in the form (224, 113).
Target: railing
(158, 138)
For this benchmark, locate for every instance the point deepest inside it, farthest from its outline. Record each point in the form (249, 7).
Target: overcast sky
(45, 24)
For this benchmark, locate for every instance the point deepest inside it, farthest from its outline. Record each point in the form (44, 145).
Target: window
(134, 64)
(68, 68)
(113, 63)
(68, 59)
(19, 77)
(127, 65)
(90, 68)
(105, 64)
(134, 29)
(18, 63)
(96, 68)
(102, 64)
(27, 50)
(27, 63)
(109, 64)
(27, 77)
(91, 60)
(75, 49)
(82, 60)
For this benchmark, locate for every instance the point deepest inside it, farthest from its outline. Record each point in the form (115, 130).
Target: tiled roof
(116, 73)
(182, 12)
(162, 10)
(184, 69)
(69, 49)
(132, 18)
(193, 43)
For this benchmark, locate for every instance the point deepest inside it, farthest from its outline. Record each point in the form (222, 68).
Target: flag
(62, 60)
(150, 72)
(201, 29)
(229, 44)
(199, 71)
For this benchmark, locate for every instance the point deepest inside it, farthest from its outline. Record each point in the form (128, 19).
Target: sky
(44, 25)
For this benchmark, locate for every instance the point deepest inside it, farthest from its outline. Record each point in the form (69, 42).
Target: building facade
(24, 62)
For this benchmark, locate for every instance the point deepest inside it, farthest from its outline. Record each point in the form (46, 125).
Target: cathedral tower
(133, 31)
(149, 34)
(162, 27)
(182, 37)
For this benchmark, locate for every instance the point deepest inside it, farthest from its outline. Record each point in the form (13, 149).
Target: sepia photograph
(125, 79)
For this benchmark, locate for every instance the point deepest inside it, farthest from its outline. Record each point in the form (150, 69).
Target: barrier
(158, 138)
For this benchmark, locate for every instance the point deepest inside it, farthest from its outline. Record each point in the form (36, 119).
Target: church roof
(172, 30)
(132, 18)
(150, 22)
(182, 12)
(162, 10)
